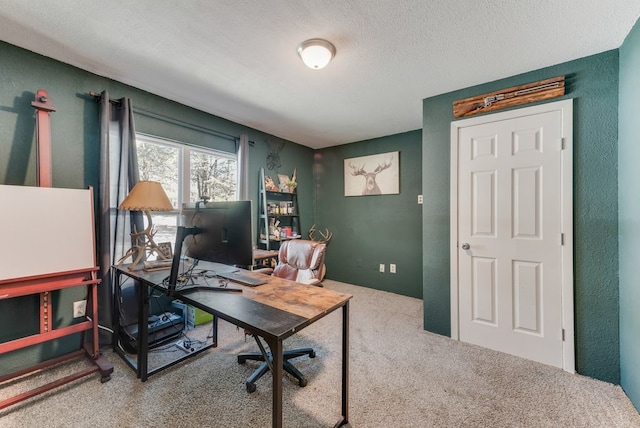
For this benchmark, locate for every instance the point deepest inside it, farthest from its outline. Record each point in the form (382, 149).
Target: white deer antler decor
(386, 183)
(326, 237)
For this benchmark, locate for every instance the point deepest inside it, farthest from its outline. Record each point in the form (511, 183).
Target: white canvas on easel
(45, 230)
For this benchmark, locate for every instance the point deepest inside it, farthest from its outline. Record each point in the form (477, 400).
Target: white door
(512, 237)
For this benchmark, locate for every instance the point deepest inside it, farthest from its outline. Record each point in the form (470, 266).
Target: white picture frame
(377, 174)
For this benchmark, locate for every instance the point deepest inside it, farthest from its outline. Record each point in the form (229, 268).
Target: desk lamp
(145, 196)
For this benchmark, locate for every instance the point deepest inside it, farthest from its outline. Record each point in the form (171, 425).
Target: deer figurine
(370, 185)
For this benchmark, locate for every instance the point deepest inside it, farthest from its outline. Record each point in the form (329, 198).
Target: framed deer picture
(372, 175)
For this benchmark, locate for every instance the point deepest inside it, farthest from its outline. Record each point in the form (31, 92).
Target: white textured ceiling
(237, 58)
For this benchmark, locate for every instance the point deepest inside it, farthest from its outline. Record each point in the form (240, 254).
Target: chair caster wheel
(251, 387)
(312, 355)
(241, 360)
(104, 379)
(302, 383)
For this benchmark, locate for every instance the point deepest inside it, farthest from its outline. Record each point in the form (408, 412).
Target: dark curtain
(118, 175)
(243, 167)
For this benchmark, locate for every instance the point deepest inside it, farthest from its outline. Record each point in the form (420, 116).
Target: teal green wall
(377, 229)
(75, 147)
(593, 84)
(371, 230)
(629, 214)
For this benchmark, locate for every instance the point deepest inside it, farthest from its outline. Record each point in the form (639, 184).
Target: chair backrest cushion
(300, 260)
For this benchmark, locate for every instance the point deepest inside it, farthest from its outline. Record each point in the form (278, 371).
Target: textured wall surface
(75, 145)
(593, 84)
(370, 230)
(629, 215)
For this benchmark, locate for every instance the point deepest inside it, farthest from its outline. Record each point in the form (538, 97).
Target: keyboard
(242, 278)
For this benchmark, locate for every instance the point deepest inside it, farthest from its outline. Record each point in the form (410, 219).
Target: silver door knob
(465, 246)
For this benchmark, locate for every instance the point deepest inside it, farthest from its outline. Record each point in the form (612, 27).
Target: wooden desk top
(276, 309)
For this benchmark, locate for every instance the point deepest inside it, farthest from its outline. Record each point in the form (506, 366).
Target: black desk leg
(143, 330)
(345, 363)
(214, 333)
(276, 348)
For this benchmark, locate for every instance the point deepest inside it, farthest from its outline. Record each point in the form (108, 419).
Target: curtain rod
(174, 121)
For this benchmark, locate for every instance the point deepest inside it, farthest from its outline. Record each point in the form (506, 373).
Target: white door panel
(509, 209)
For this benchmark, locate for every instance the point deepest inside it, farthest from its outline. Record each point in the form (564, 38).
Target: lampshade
(316, 53)
(147, 196)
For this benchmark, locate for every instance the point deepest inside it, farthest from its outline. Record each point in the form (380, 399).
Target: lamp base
(134, 267)
(145, 246)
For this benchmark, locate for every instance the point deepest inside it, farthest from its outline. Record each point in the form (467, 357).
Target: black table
(273, 311)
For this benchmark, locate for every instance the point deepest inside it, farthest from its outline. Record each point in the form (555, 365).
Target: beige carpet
(401, 376)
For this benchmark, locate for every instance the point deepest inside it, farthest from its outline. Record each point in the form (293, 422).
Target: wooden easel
(44, 283)
(43, 107)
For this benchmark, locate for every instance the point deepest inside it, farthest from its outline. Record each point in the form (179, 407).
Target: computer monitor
(226, 232)
(217, 231)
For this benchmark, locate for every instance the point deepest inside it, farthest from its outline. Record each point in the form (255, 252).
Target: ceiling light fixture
(316, 53)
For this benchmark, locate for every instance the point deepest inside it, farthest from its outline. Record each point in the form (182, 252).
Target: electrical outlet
(392, 268)
(382, 267)
(419, 199)
(79, 308)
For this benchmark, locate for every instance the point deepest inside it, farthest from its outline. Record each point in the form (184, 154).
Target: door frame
(566, 109)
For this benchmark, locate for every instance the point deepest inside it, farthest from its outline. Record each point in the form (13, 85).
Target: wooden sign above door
(509, 97)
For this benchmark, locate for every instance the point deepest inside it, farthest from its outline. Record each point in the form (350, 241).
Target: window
(187, 174)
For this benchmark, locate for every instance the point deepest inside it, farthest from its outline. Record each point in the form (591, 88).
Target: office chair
(301, 261)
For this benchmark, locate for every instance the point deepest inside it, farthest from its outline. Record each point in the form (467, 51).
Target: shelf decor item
(287, 185)
(269, 185)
